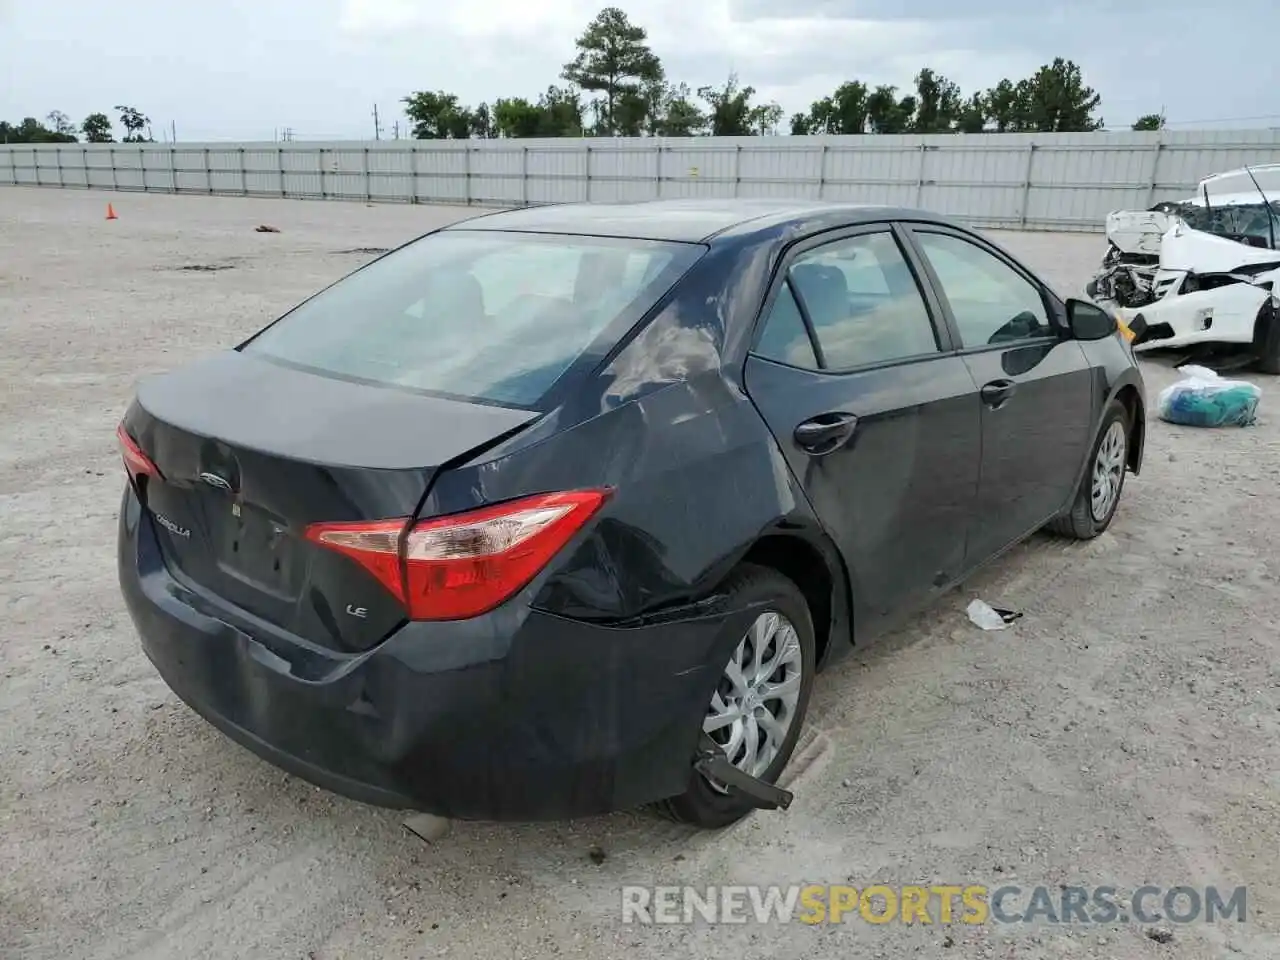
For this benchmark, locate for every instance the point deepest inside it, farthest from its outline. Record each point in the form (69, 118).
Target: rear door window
(481, 315)
(863, 301)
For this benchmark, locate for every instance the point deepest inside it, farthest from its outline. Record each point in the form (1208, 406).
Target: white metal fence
(1028, 181)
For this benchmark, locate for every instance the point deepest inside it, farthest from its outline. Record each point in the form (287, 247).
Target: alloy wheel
(1108, 471)
(754, 706)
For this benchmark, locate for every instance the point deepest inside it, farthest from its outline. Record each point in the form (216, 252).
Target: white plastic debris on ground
(983, 615)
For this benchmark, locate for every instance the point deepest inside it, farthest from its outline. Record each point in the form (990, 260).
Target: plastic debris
(983, 615)
(1204, 399)
(427, 826)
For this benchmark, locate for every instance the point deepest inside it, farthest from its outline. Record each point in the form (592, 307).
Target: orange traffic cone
(111, 212)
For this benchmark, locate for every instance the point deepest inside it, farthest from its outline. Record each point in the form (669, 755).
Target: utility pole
(377, 127)
(395, 130)
(173, 131)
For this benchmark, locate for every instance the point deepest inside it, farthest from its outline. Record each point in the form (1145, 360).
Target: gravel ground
(1123, 732)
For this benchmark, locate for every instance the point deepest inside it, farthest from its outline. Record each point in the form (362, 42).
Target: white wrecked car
(1200, 271)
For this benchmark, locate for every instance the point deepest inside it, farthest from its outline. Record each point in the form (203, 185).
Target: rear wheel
(757, 708)
(1099, 493)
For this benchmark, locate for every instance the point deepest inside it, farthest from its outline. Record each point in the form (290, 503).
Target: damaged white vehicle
(1200, 274)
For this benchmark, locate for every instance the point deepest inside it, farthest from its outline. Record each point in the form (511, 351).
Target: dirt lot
(1123, 732)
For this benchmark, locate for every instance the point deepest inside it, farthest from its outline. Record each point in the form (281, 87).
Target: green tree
(134, 122)
(972, 117)
(845, 111)
(614, 60)
(437, 116)
(1150, 121)
(482, 122)
(631, 113)
(938, 103)
(558, 113)
(1005, 106)
(97, 128)
(886, 113)
(31, 130)
(561, 113)
(516, 117)
(732, 114)
(676, 113)
(61, 125)
(1056, 100)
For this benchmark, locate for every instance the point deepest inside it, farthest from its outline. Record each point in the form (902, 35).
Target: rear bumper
(517, 715)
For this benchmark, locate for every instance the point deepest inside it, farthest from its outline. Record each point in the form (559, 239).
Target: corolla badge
(172, 527)
(214, 480)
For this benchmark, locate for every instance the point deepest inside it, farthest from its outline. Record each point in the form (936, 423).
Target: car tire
(1266, 337)
(1082, 521)
(704, 804)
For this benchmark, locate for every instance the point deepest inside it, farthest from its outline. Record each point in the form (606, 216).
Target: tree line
(95, 128)
(617, 86)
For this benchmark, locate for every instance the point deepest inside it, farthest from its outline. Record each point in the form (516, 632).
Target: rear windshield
(490, 316)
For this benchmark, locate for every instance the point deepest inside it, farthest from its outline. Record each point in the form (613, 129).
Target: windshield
(1245, 222)
(482, 315)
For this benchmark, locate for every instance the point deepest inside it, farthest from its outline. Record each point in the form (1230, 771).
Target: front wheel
(1098, 497)
(1266, 338)
(757, 708)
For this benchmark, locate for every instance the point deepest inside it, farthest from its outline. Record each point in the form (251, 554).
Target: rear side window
(491, 316)
(784, 337)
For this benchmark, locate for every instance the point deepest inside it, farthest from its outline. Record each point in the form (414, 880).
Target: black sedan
(560, 510)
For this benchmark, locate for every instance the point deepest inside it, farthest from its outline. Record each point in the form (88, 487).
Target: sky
(245, 69)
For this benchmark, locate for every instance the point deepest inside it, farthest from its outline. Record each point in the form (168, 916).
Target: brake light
(135, 461)
(451, 568)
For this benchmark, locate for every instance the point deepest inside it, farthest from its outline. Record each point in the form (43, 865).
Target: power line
(1184, 123)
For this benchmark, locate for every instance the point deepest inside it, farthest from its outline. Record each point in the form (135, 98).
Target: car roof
(687, 221)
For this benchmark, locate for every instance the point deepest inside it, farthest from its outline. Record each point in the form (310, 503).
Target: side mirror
(1089, 321)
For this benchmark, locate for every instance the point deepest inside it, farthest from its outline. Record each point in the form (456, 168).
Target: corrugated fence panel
(190, 172)
(301, 172)
(494, 176)
(624, 171)
(696, 168)
(557, 173)
(391, 175)
(262, 175)
(101, 168)
(129, 171)
(779, 170)
(23, 161)
(157, 169)
(441, 172)
(71, 167)
(1030, 181)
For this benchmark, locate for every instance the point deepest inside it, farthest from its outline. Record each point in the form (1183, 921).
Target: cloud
(243, 68)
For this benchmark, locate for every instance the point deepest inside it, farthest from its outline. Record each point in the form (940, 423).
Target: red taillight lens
(135, 461)
(463, 565)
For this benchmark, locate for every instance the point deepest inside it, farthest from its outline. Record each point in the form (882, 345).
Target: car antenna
(1271, 217)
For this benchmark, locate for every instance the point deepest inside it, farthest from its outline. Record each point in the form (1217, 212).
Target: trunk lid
(251, 452)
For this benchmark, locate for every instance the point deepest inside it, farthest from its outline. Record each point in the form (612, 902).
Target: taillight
(451, 568)
(135, 461)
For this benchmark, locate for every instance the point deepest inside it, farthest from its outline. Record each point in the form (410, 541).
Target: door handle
(996, 393)
(826, 432)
